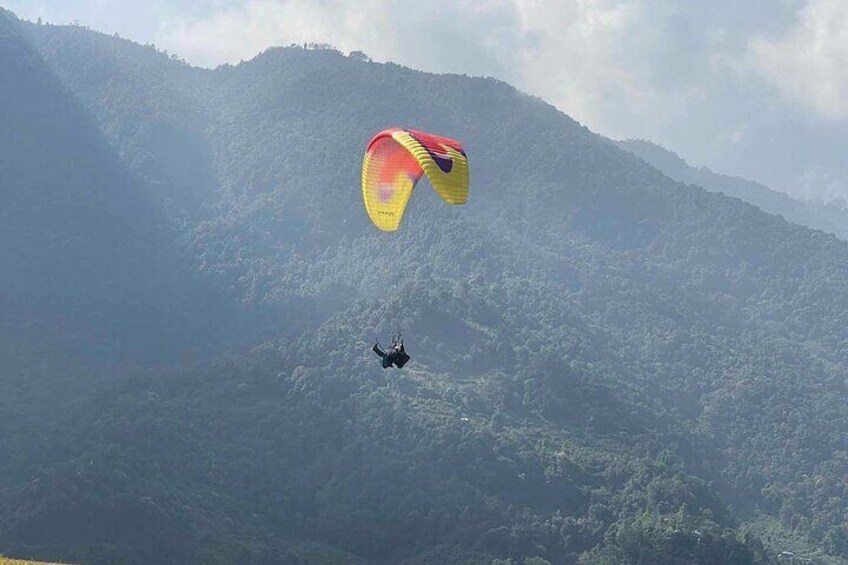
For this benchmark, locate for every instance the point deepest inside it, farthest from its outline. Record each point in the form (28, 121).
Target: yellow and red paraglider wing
(389, 173)
(394, 162)
(443, 160)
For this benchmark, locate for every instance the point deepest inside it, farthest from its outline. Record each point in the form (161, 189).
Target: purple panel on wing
(435, 149)
(445, 162)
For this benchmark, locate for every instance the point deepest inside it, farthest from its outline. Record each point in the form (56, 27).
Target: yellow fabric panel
(452, 187)
(393, 164)
(388, 178)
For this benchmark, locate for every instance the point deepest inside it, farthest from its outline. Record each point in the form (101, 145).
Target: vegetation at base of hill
(608, 366)
(266, 453)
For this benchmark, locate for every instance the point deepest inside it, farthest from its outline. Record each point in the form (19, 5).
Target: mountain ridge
(829, 217)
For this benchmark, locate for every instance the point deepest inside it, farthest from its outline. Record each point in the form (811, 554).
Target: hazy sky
(751, 87)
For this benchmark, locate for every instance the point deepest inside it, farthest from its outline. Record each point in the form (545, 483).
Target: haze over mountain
(608, 366)
(755, 89)
(831, 217)
(87, 256)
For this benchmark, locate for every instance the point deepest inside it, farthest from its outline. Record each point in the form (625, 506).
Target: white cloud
(592, 58)
(438, 36)
(589, 57)
(809, 63)
(238, 32)
(822, 184)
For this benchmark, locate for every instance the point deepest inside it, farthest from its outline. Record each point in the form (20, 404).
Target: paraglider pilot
(395, 356)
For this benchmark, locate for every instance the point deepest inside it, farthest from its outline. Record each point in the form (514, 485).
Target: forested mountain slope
(86, 255)
(607, 365)
(831, 217)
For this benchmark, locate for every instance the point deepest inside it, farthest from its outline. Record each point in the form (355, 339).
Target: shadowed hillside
(88, 257)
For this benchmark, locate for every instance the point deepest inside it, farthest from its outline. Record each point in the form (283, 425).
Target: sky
(756, 88)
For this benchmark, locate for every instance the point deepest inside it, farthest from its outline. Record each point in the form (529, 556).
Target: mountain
(95, 281)
(90, 263)
(831, 217)
(608, 366)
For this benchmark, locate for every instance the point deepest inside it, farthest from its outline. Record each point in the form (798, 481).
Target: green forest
(608, 366)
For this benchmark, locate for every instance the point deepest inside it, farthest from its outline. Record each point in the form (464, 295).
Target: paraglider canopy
(393, 164)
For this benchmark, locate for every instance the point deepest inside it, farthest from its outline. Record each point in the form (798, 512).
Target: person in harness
(396, 354)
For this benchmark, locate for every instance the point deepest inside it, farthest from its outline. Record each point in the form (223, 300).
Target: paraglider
(396, 354)
(394, 162)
